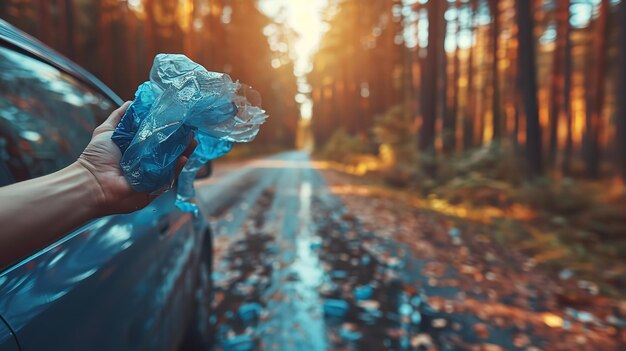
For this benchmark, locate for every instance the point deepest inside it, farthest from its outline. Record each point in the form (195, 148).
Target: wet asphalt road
(294, 271)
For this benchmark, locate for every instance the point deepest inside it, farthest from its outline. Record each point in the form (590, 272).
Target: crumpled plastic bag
(182, 101)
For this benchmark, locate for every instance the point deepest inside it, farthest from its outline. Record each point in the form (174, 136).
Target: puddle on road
(294, 319)
(329, 286)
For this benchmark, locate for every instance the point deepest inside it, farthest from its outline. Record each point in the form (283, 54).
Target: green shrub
(343, 147)
(563, 198)
(395, 129)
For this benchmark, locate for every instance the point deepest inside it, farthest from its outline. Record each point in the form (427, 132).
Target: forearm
(37, 212)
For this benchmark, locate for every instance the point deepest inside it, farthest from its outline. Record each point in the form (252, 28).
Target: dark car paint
(123, 282)
(7, 339)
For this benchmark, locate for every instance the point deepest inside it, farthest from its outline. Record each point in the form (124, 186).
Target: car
(139, 281)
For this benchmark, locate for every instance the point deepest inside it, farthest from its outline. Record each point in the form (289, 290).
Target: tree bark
(567, 102)
(557, 85)
(449, 142)
(593, 125)
(150, 30)
(513, 90)
(105, 43)
(442, 75)
(429, 86)
(470, 106)
(43, 19)
(128, 18)
(621, 100)
(495, 86)
(528, 80)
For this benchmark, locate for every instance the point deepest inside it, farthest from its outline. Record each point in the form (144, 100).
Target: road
(266, 256)
(294, 270)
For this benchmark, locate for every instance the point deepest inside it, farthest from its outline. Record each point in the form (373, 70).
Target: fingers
(114, 118)
(180, 164)
(190, 148)
(116, 115)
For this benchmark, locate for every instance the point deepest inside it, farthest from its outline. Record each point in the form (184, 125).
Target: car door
(118, 283)
(7, 339)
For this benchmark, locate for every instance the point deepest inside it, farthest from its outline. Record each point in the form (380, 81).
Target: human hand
(101, 158)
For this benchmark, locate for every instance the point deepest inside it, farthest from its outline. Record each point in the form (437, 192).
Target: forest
(117, 41)
(503, 107)
(486, 138)
(540, 78)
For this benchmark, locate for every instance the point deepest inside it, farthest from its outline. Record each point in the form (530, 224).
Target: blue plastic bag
(183, 100)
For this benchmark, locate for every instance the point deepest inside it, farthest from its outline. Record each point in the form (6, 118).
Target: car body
(123, 282)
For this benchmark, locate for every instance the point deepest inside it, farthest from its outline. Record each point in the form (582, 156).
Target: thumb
(113, 120)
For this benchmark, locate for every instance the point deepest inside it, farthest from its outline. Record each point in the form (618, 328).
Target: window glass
(46, 117)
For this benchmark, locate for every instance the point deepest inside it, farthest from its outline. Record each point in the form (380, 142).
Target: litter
(182, 101)
(363, 292)
(349, 333)
(242, 342)
(335, 308)
(250, 312)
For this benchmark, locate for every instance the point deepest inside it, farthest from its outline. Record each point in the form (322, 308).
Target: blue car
(127, 282)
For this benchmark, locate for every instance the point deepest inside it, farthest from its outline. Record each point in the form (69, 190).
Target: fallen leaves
(552, 320)
(481, 330)
(503, 287)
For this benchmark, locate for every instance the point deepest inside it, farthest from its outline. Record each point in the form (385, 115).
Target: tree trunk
(470, 106)
(527, 71)
(43, 19)
(593, 125)
(429, 86)
(557, 85)
(621, 100)
(442, 74)
(150, 30)
(128, 18)
(449, 141)
(61, 36)
(105, 43)
(495, 86)
(567, 102)
(513, 91)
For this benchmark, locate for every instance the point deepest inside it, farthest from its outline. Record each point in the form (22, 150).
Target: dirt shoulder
(499, 284)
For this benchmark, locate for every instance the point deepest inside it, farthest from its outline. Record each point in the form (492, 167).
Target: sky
(305, 17)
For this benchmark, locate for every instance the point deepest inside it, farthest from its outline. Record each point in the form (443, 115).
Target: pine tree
(528, 79)
(495, 86)
(557, 86)
(429, 89)
(470, 105)
(621, 100)
(593, 123)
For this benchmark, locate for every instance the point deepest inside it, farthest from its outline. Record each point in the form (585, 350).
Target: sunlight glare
(306, 19)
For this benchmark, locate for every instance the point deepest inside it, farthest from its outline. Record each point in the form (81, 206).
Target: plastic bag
(183, 100)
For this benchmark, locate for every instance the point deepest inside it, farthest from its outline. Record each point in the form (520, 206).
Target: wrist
(88, 189)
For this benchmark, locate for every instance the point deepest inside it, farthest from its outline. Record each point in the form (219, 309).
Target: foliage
(394, 129)
(395, 133)
(511, 85)
(343, 147)
(496, 160)
(564, 198)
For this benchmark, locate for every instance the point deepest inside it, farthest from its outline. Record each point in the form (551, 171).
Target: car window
(46, 117)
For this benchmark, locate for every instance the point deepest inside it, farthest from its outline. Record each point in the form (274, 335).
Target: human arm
(36, 212)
